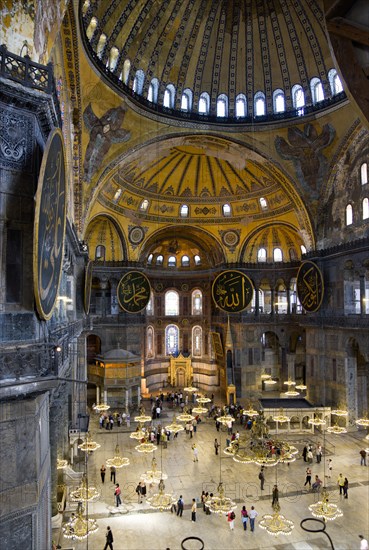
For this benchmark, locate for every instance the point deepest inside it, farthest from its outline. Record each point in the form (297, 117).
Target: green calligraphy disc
(232, 291)
(134, 292)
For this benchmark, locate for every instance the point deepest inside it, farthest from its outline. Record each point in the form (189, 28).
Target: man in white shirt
(363, 543)
(252, 515)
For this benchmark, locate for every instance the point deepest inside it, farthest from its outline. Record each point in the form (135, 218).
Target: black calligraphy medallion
(310, 286)
(49, 227)
(232, 291)
(133, 292)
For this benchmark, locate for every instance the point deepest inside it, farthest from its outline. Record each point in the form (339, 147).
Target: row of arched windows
(171, 303)
(184, 209)
(186, 100)
(172, 341)
(350, 213)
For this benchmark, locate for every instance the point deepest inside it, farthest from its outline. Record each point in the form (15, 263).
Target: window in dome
(262, 255)
(186, 100)
(222, 105)
(172, 261)
(138, 82)
(364, 173)
(101, 45)
(349, 218)
(241, 106)
(365, 208)
(100, 253)
(152, 93)
(197, 259)
(150, 306)
(227, 211)
(183, 211)
(160, 260)
(169, 95)
(259, 104)
(171, 303)
(144, 205)
(117, 195)
(298, 99)
(204, 103)
(278, 101)
(196, 341)
(171, 340)
(293, 254)
(91, 28)
(126, 70)
(150, 342)
(316, 90)
(263, 203)
(335, 82)
(196, 302)
(303, 249)
(149, 258)
(113, 58)
(277, 255)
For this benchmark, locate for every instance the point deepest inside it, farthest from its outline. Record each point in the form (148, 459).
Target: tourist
(102, 473)
(345, 488)
(363, 457)
(117, 494)
(193, 510)
(262, 478)
(216, 446)
(275, 495)
(195, 453)
(180, 506)
(252, 515)
(109, 539)
(341, 482)
(308, 477)
(230, 518)
(244, 517)
(112, 473)
(363, 543)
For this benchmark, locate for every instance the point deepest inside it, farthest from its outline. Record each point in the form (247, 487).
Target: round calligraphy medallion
(310, 286)
(88, 282)
(232, 291)
(136, 235)
(49, 227)
(231, 238)
(134, 292)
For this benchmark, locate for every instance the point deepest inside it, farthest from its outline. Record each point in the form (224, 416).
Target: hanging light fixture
(324, 509)
(363, 421)
(79, 527)
(139, 433)
(190, 389)
(101, 407)
(265, 376)
(220, 504)
(203, 400)
(161, 500)
(276, 524)
(249, 411)
(154, 475)
(117, 461)
(83, 492)
(146, 446)
(89, 445)
(270, 381)
(292, 392)
(174, 426)
(61, 464)
(301, 387)
(281, 417)
(336, 430)
(142, 416)
(289, 383)
(185, 416)
(200, 410)
(316, 421)
(339, 412)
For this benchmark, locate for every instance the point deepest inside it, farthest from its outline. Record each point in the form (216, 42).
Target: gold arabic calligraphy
(133, 292)
(232, 291)
(310, 287)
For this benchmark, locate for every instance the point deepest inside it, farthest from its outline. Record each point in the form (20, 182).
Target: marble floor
(137, 527)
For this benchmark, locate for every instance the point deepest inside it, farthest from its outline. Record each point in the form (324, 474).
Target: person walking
(341, 482)
(193, 510)
(304, 453)
(262, 478)
(363, 457)
(109, 539)
(345, 488)
(180, 505)
(112, 473)
(117, 494)
(275, 495)
(310, 456)
(363, 543)
(244, 517)
(230, 518)
(102, 473)
(308, 477)
(195, 453)
(252, 515)
(143, 491)
(216, 446)
(318, 453)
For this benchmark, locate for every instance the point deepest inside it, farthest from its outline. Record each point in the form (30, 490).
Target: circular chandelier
(185, 416)
(84, 492)
(276, 524)
(199, 410)
(161, 500)
(101, 407)
(269, 381)
(363, 421)
(190, 389)
(265, 376)
(339, 412)
(220, 504)
(79, 527)
(336, 430)
(139, 433)
(146, 447)
(289, 383)
(203, 400)
(292, 393)
(117, 461)
(324, 509)
(154, 475)
(142, 416)
(88, 445)
(61, 463)
(316, 421)
(281, 418)
(301, 387)
(174, 427)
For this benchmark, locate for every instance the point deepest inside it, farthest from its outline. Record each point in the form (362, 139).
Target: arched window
(303, 249)
(152, 93)
(317, 92)
(259, 104)
(100, 252)
(227, 211)
(171, 303)
(335, 82)
(365, 208)
(101, 45)
(293, 254)
(185, 260)
(186, 100)
(222, 105)
(197, 259)
(169, 96)
(278, 101)
(139, 82)
(91, 28)
(150, 342)
(364, 173)
(144, 205)
(160, 260)
(349, 214)
(126, 70)
(204, 103)
(241, 106)
(196, 301)
(262, 255)
(197, 341)
(183, 211)
(172, 261)
(298, 99)
(171, 340)
(263, 203)
(277, 255)
(113, 58)
(149, 259)
(117, 195)
(150, 306)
